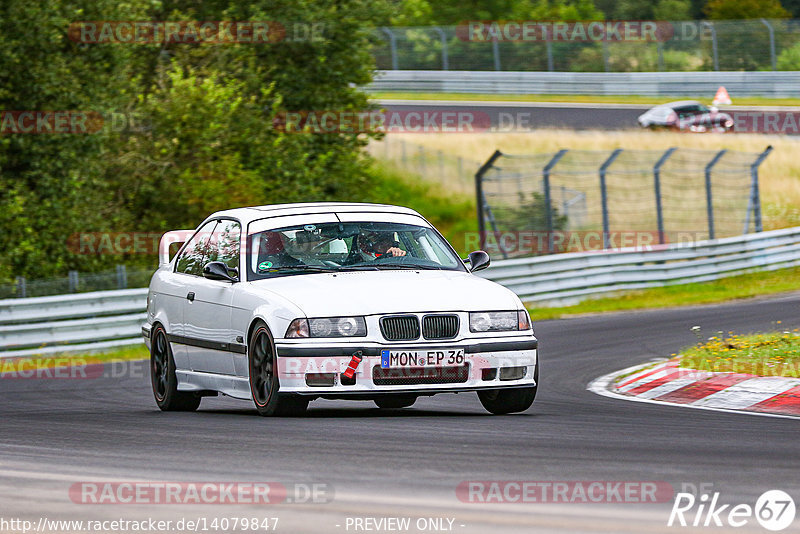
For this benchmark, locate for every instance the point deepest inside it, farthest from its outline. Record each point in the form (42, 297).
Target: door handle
(190, 296)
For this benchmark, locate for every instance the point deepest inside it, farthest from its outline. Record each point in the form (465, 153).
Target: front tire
(163, 379)
(505, 401)
(264, 383)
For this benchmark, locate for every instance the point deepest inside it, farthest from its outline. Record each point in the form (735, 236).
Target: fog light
(513, 373)
(321, 379)
(489, 374)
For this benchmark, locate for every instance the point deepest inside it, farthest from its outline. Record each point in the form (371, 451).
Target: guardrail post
(709, 198)
(754, 204)
(547, 197)
(392, 46)
(443, 40)
(22, 287)
(122, 277)
(714, 52)
(496, 53)
(479, 201)
(603, 195)
(657, 188)
(73, 281)
(773, 59)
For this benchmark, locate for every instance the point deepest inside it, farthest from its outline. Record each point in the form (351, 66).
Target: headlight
(328, 327)
(499, 321)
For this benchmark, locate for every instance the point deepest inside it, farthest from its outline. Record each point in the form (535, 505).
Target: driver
(370, 245)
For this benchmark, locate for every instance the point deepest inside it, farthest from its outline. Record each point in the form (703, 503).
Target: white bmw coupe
(288, 303)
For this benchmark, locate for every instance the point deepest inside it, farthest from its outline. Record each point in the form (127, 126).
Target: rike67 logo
(774, 510)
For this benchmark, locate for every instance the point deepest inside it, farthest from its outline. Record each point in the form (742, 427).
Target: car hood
(377, 292)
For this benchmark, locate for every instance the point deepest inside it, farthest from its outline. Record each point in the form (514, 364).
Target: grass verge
(724, 289)
(580, 99)
(22, 367)
(767, 354)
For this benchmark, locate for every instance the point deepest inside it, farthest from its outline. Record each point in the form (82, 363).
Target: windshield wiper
(304, 268)
(410, 266)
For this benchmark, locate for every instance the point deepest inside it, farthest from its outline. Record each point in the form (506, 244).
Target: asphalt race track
(408, 463)
(526, 116)
(521, 116)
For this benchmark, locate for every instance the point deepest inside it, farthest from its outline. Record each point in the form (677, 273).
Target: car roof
(304, 208)
(680, 103)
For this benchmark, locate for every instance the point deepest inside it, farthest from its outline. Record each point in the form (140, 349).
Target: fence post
(73, 281)
(460, 168)
(392, 46)
(603, 194)
(773, 59)
(496, 53)
(547, 197)
(22, 287)
(709, 198)
(755, 196)
(604, 44)
(421, 153)
(657, 187)
(714, 52)
(443, 40)
(660, 50)
(550, 63)
(441, 166)
(122, 277)
(479, 195)
(403, 154)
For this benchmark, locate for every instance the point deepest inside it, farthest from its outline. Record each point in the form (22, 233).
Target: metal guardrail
(771, 84)
(105, 319)
(75, 322)
(568, 278)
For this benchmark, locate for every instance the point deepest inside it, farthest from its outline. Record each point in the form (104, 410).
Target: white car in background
(287, 303)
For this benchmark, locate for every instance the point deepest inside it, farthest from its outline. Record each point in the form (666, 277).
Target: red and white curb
(666, 383)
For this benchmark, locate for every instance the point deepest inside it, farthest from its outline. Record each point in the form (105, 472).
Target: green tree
(745, 9)
(207, 111)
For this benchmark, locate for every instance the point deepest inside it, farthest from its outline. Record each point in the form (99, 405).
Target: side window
(191, 260)
(225, 244)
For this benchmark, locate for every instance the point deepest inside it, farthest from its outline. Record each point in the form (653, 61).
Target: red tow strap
(351, 368)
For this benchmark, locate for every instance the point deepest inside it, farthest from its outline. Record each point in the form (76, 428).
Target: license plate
(402, 359)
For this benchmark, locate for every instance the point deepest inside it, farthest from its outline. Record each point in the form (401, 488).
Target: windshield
(346, 247)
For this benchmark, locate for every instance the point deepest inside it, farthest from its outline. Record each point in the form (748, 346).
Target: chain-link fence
(732, 45)
(453, 173)
(75, 282)
(581, 200)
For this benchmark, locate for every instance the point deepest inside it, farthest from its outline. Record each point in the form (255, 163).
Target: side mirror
(478, 260)
(216, 270)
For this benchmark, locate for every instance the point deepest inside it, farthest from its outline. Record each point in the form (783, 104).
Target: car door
(207, 312)
(172, 296)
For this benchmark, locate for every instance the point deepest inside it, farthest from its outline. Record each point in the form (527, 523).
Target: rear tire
(163, 379)
(504, 401)
(264, 383)
(395, 401)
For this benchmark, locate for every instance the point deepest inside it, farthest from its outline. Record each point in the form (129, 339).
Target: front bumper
(317, 369)
(146, 329)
